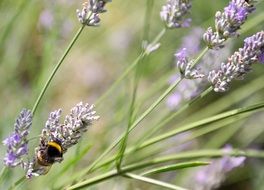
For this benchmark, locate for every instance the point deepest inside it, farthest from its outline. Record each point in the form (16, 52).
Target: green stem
(153, 181)
(200, 56)
(130, 119)
(56, 68)
(179, 156)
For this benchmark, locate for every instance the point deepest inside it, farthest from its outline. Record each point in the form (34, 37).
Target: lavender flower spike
(17, 142)
(65, 135)
(173, 13)
(68, 134)
(89, 15)
(184, 66)
(239, 64)
(228, 22)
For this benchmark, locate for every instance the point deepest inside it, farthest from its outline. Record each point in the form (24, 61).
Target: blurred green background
(34, 34)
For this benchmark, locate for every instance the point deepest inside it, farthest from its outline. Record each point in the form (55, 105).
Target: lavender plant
(135, 137)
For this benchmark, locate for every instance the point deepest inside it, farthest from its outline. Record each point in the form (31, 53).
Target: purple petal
(10, 159)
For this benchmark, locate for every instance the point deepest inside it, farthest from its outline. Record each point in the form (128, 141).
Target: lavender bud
(89, 15)
(228, 22)
(239, 64)
(185, 66)
(174, 12)
(17, 143)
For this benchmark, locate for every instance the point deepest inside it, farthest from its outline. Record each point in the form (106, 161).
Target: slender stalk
(179, 156)
(153, 181)
(200, 56)
(130, 119)
(56, 68)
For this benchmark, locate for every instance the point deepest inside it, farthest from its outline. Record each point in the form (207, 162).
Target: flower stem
(56, 69)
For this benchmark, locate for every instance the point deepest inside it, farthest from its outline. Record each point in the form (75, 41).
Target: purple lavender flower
(185, 66)
(211, 176)
(66, 134)
(228, 22)
(174, 12)
(16, 143)
(89, 15)
(239, 64)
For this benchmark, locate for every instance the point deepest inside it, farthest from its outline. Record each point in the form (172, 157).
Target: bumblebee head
(50, 154)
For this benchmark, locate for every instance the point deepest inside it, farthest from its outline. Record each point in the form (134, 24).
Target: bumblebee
(46, 155)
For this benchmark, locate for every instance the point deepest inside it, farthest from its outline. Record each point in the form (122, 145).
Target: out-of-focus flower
(228, 22)
(46, 19)
(56, 138)
(89, 15)
(174, 12)
(239, 64)
(211, 176)
(51, 19)
(192, 41)
(17, 143)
